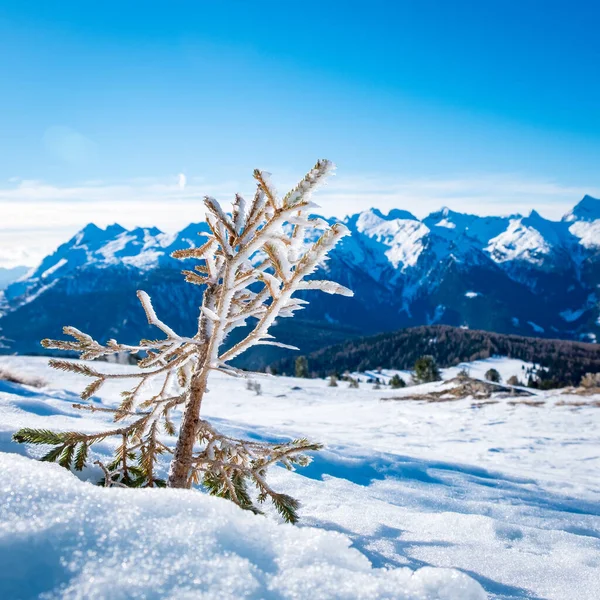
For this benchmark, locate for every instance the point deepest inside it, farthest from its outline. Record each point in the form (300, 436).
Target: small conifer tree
(493, 375)
(301, 367)
(397, 382)
(353, 383)
(332, 381)
(426, 370)
(254, 261)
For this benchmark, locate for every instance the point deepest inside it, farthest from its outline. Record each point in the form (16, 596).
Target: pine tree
(332, 381)
(253, 262)
(426, 370)
(301, 365)
(397, 382)
(493, 375)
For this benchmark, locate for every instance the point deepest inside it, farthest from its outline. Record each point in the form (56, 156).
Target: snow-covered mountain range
(514, 274)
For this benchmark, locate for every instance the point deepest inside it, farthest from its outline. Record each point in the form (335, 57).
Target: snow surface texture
(66, 539)
(506, 494)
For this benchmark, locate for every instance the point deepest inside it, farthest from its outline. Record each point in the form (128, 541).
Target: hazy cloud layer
(35, 217)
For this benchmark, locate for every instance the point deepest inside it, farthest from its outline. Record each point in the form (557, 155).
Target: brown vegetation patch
(582, 391)
(21, 378)
(534, 403)
(466, 387)
(579, 403)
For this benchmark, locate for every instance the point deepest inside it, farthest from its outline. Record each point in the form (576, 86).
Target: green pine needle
(53, 455)
(66, 457)
(287, 507)
(38, 436)
(81, 456)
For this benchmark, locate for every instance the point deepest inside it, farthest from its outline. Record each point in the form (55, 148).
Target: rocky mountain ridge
(513, 274)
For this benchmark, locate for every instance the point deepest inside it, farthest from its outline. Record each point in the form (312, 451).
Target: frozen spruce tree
(251, 266)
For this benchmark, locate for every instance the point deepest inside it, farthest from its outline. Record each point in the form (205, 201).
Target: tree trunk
(179, 472)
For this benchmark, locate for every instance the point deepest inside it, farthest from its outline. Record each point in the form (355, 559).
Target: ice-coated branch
(151, 314)
(255, 260)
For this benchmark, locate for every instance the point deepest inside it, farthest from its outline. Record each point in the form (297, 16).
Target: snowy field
(410, 499)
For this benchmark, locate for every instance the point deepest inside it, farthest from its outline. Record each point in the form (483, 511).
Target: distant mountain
(9, 275)
(517, 274)
(566, 361)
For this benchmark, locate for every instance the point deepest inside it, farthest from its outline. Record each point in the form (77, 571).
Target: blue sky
(488, 106)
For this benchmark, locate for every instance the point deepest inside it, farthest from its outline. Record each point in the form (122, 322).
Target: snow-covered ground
(505, 495)
(506, 367)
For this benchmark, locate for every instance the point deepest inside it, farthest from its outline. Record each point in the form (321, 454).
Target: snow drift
(63, 538)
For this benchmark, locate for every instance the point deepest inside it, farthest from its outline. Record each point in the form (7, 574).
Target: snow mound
(63, 538)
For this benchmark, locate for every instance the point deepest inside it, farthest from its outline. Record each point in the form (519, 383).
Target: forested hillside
(565, 361)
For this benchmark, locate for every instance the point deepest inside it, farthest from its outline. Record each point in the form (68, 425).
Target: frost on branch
(254, 261)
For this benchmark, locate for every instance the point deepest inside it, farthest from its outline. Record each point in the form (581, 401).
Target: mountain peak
(397, 213)
(92, 233)
(394, 213)
(373, 217)
(587, 209)
(90, 229)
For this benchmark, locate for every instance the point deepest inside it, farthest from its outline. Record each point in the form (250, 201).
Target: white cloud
(35, 216)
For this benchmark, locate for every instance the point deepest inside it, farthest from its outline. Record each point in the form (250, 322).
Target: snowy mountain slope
(505, 493)
(511, 274)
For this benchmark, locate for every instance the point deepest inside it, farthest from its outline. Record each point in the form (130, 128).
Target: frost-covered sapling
(251, 266)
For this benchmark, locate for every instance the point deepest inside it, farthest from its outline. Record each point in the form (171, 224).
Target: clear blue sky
(112, 91)
(415, 86)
